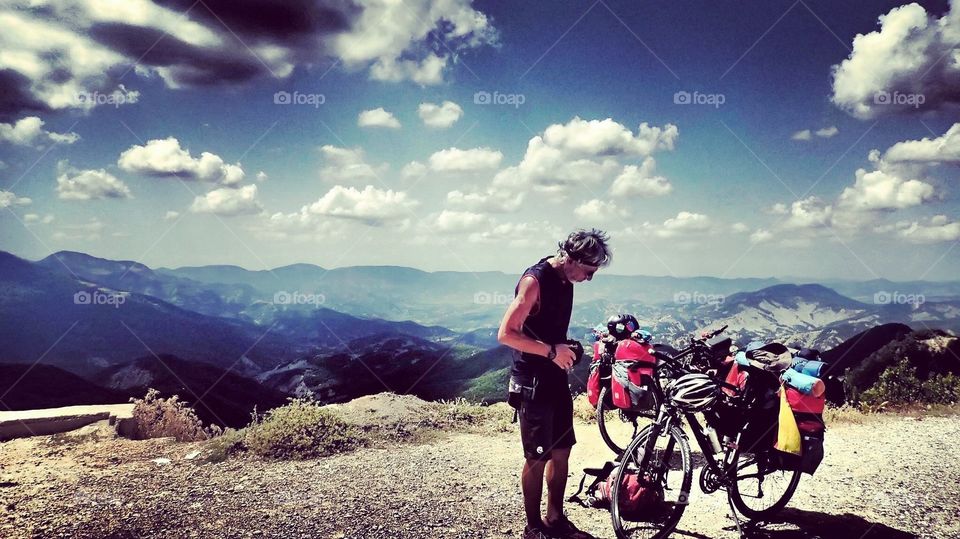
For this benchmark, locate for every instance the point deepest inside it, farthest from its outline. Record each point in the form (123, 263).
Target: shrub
(157, 417)
(942, 389)
(229, 442)
(582, 409)
(300, 429)
(899, 385)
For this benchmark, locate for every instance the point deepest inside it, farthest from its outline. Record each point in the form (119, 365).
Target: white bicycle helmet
(693, 391)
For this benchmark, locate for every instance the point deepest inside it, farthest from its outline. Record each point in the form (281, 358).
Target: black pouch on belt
(520, 389)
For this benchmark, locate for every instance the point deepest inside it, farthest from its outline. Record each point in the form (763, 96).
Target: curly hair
(587, 247)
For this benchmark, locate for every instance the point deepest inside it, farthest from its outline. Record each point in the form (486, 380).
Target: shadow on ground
(813, 524)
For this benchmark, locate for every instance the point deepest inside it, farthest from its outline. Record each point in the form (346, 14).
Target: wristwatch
(552, 354)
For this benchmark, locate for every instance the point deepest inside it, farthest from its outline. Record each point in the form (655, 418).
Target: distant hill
(225, 398)
(27, 386)
(930, 352)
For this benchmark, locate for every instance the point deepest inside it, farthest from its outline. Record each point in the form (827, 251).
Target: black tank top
(547, 322)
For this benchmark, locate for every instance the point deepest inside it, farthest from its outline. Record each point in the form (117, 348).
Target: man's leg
(531, 482)
(556, 471)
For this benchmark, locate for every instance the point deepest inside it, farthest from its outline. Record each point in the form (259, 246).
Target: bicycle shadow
(816, 525)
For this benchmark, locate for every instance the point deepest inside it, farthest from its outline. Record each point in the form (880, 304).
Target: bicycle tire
(605, 410)
(740, 503)
(665, 525)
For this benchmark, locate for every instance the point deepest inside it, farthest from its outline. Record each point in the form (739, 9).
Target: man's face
(582, 272)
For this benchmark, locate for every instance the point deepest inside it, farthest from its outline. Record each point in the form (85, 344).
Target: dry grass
(157, 417)
(582, 409)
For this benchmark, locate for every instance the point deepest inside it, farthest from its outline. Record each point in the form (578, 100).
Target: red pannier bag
(593, 384)
(804, 404)
(632, 369)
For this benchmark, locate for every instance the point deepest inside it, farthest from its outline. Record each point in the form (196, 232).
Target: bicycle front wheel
(760, 487)
(619, 427)
(647, 503)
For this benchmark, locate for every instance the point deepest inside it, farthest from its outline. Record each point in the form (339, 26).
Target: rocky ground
(889, 477)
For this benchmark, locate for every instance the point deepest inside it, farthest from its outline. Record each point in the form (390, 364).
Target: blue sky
(759, 177)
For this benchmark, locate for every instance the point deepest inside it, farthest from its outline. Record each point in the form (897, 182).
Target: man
(535, 325)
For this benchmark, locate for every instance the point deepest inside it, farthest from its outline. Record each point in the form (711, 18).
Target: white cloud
(809, 213)
(372, 206)
(880, 190)
(739, 228)
(228, 202)
(262, 176)
(490, 200)
(518, 235)
(165, 158)
(801, 135)
(827, 132)
(378, 118)
(348, 165)
(7, 199)
(56, 51)
(29, 131)
(607, 137)
(457, 160)
(779, 209)
(32, 218)
(640, 181)
(913, 54)
(937, 229)
(413, 170)
(684, 224)
(90, 185)
(89, 231)
(599, 210)
(450, 221)
(761, 236)
(943, 149)
(441, 116)
(171, 215)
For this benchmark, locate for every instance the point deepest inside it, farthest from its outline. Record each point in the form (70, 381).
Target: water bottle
(714, 440)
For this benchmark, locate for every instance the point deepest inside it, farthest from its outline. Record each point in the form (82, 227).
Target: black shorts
(546, 421)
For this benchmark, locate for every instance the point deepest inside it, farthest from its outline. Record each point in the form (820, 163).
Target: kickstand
(736, 518)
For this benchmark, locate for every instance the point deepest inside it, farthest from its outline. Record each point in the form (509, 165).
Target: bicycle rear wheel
(669, 473)
(759, 488)
(618, 427)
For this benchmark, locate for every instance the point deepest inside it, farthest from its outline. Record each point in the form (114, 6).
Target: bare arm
(511, 327)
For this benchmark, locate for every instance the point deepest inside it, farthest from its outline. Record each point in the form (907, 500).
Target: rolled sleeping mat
(808, 385)
(810, 367)
(741, 359)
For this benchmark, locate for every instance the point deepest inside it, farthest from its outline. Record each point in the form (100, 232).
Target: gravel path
(892, 477)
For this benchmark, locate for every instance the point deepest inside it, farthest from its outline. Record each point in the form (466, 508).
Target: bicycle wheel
(617, 427)
(759, 488)
(668, 474)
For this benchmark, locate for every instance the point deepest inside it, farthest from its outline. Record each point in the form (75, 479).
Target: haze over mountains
(340, 333)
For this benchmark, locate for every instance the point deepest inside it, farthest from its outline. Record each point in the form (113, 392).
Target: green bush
(229, 442)
(899, 385)
(299, 430)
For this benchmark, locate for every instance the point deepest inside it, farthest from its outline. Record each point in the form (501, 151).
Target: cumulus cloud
(761, 236)
(599, 210)
(912, 54)
(171, 215)
(827, 132)
(942, 149)
(881, 190)
(685, 224)
(29, 131)
(489, 200)
(641, 181)
(89, 185)
(808, 213)
(8, 198)
(228, 202)
(457, 160)
(33, 218)
(57, 50)
(414, 170)
(937, 229)
(518, 235)
(806, 134)
(372, 206)
(348, 165)
(378, 118)
(452, 222)
(739, 228)
(164, 158)
(801, 135)
(441, 116)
